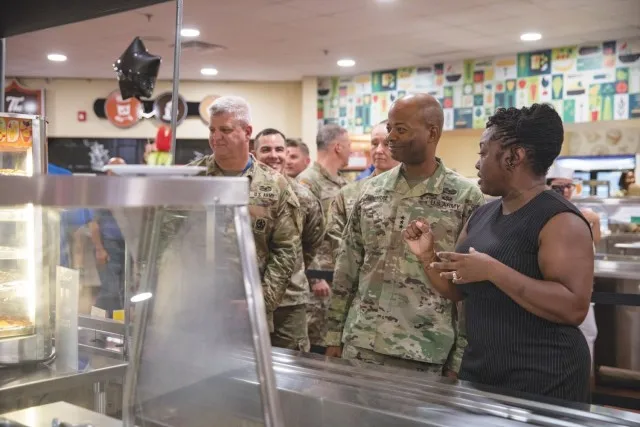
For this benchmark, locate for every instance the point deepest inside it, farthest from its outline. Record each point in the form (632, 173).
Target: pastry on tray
(12, 172)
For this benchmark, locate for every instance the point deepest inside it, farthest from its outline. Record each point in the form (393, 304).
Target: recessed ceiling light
(346, 63)
(189, 32)
(56, 57)
(530, 37)
(209, 72)
(141, 297)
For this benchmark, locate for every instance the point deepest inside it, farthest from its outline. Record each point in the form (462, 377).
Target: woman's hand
(419, 239)
(465, 268)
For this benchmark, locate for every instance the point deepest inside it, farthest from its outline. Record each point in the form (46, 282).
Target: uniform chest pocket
(445, 228)
(376, 223)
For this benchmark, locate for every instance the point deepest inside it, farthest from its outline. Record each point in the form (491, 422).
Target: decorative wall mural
(586, 83)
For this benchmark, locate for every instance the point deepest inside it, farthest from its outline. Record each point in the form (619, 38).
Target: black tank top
(509, 347)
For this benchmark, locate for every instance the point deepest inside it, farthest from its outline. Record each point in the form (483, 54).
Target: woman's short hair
(538, 129)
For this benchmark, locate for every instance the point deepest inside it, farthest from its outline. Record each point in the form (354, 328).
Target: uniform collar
(339, 180)
(214, 170)
(395, 181)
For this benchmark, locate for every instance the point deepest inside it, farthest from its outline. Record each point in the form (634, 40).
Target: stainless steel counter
(42, 416)
(617, 267)
(92, 368)
(318, 392)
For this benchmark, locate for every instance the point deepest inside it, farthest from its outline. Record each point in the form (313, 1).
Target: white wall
(274, 104)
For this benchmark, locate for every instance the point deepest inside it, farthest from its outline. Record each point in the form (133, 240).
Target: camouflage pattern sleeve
(285, 242)
(345, 277)
(337, 222)
(311, 185)
(454, 361)
(476, 199)
(313, 230)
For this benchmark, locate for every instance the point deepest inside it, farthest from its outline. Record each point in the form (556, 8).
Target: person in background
(343, 203)
(561, 180)
(523, 265)
(384, 308)
(71, 222)
(626, 179)
(297, 158)
(324, 180)
(290, 318)
(366, 173)
(110, 255)
(273, 206)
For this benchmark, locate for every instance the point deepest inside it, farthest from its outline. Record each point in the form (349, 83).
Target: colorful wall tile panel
(585, 83)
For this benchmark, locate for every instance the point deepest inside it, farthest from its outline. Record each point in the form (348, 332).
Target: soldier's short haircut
(327, 134)
(267, 132)
(296, 143)
(234, 105)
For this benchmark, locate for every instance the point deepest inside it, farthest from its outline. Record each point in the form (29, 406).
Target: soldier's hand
(419, 239)
(321, 289)
(333, 351)
(450, 374)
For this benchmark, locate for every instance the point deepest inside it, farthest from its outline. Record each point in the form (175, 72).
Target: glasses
(560, 188)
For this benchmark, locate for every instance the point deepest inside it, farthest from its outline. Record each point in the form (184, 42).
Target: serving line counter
(200, 353)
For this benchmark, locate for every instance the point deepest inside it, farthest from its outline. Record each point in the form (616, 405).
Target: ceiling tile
(286, 39)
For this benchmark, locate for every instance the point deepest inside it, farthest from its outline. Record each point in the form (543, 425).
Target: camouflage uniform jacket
(341, 209)
(275, 213)
(313, 227)
(382, 298)
(325, 187)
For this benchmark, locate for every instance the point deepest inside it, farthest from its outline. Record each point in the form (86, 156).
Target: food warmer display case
(25, 326)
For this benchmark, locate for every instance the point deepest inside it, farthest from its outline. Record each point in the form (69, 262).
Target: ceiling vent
(200, 46)
(153, 39)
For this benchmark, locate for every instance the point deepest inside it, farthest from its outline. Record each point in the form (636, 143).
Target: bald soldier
(384, 309)
(290, 318)
(324, 180)
(341, 206)
(274, 208)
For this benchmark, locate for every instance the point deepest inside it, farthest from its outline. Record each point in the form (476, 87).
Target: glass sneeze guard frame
(141, 192)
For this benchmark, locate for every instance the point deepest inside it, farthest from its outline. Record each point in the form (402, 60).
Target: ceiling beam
(25, 16)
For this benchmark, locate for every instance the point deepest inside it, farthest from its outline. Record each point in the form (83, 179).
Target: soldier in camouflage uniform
(274, 208)
(343, 203)
(324, 181)
(290, 318)
(384, 308)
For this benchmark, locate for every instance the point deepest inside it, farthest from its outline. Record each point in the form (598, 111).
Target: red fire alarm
(82, 116)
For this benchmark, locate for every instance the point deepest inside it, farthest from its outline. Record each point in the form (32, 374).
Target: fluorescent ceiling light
(530, 37)
(141, 297)
(209, 72)
(56, 57)
(189, 32)
(346, 63)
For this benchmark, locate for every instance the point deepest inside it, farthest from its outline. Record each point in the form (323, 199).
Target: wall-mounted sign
(204, 106)
(122, 113)
(20, 100)
(162, 108)
(158, 109)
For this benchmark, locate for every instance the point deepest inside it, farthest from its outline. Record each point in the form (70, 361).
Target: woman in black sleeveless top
(523, 265)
